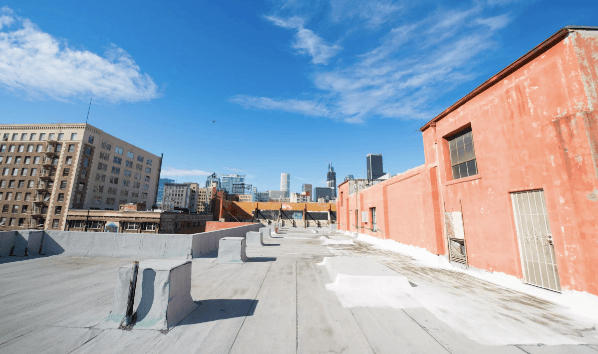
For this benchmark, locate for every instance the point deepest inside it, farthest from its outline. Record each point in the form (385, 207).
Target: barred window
(463, 160)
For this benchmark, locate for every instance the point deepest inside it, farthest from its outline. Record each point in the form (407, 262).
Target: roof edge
(527, 57)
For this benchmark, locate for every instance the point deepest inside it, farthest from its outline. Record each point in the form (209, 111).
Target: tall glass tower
(285, 184)
(331, 179)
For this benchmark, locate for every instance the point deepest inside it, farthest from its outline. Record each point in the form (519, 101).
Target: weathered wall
(535, 127)
(217, 225)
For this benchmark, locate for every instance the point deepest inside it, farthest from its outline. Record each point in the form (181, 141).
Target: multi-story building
(161, 189)
(374, 165)
(285, 184)
(47, 169)
(302, 197)
(324, 192)
(213, 179)
(307, 188)
(262, 197)
(229, 181)
(180, 195)
(203, 203)
(331, 179)
(276, 195)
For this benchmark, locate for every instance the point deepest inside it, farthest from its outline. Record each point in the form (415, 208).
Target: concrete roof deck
(278, 303)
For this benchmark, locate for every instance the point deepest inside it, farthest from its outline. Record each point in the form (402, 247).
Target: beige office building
(47, 169)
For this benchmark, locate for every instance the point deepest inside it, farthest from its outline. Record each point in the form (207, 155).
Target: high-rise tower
(331, 178)
(374, 164)
(285, 184)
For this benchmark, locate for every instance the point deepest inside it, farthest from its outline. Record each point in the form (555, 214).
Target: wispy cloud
(233, 169)
(40, 65)
(306, 41)
(177, 172)
(373, 12)
(404, 75)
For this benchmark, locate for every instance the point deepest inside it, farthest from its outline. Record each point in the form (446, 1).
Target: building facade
(285, 184)
(228, 183)
(302, 197)
(307, 188)
(47, 169)
(374, 166)
(331, 179)
(510, 180)
(161, 190)
(276, 195)
(180, 195)
(324, 192)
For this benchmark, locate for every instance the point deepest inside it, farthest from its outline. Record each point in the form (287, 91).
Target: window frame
(458, 163)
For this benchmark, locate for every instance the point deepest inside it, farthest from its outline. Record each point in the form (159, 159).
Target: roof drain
(129, 317)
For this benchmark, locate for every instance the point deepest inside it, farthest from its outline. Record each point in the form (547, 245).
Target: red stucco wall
(536, 128)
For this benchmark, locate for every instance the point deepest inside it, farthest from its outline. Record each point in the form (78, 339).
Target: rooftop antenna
(88, 110)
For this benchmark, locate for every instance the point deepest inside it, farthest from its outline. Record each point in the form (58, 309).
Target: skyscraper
(285, 184)
(213, 178)
(161, 189)
(229, 181)
(307, 188)
(374, 162)
(331, 179)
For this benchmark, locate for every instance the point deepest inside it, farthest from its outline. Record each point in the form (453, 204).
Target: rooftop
(289, 298)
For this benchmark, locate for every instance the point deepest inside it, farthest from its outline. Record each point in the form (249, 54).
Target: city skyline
(231, 88)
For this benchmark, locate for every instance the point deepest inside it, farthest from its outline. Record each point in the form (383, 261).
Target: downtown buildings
(47, 169)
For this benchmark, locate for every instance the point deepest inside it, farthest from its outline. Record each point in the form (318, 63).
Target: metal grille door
(535, 240)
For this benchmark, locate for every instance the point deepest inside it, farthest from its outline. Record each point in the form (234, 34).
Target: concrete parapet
(254, 238)
(28, 242)
(7, 242)
(232, 250)
(266, 232)
(162, 295)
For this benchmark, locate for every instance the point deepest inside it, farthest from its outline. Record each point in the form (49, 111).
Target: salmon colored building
(510, 180)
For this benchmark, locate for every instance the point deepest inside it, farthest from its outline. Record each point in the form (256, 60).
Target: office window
(134, 194)
(24, 208)
(42, 136)
(65, 172)
(114, 180)
(12, 148)
(130, 155)
(55, 223)
(23, 136)
(129, 164)
(24, 171)
(27, 160)
(145, 186)
(71, 148)
(3, 148)
(116, 170)
(126, 182)
(124, 193)
(15, 171)
(100, 177)
(117, 160)
(62, 184)
(110, 201)
(31, 183)
(73, 136)
(58, 148)
(15, 136)
(29, 148)
(463, 160)
(139, 158)
(27, 197)
(60, 136)
(104, 156)
(5, 171)
(18, 195)
(147, 179)
(85, 162)
(136, 184)
(60, 197)
(88, 151)
(51, 136)
(112, 190)
(143, 195)
(118, 150)
(39, 148)
(106, 146)
(90, 139)
(36, 160)
(1, 159)
(11, 222)
(2, 221)
(11, 183)
(148, 170)
(139, 167)
(18, 160)
(98, 189)
(127, 173)
(149, 162)
(15, 209)
(9, 160)
(33, 172)
(102, 166)
(1, 195)
(5, 208)
(32, 136)
(21, 148)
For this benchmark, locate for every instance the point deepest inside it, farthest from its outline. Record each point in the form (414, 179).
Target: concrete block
(27, 242)
(254, 238)
(121, 297)
(266, 232)
(34, 242)
(163, 294)
(7, 241)
(232, 250)
(54, 242)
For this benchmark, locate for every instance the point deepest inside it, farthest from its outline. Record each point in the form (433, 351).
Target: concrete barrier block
(265, 232)
(54, 242)
(196, 245)
(20, 244)
(34, 243)
(120, 300)
(254, 238)
(7, 242)
(232, 250)
(163, 294)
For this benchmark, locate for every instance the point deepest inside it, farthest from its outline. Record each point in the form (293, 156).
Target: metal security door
(535, 240)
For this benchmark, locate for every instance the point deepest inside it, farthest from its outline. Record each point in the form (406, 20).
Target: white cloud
(176, 172)
(233, 169)
(373, 12)
(39, 64)
(306, 41)
(305, 107)
(403, 77)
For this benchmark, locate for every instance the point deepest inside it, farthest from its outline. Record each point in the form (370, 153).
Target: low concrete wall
(20, 243)
(208, 241)
(219, 225)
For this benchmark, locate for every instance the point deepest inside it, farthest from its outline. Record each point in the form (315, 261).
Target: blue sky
(291, 84)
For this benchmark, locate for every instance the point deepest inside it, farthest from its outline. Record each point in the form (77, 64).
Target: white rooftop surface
(284, 300)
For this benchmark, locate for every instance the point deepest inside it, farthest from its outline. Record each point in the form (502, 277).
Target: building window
(118, 150)
(126, 182)
(118, 160)
(106, 146)
(73, 136)
(32, 136)
(147, 178)
(21, 148)
(21, 184)
(114, 180)
(116, 170)
(139, 167)
(15, 136)
(42, 136)
(57, 210)
(15, 209)
(85, 162)
(60, 197)
(18, 160)
(24, 172)
(100, 177)
(83, 174)
(27, 197)
(30, 148)
(55, 223)
(129, 164)
(149, 162)
(95, 225)
(124, 193)
(463, 160)
(62, 184)
(98, 189)
(131, 226)
(88, 151)
(31, 183)
(112, 190)
(146, 226)
(3, 148)
(24, 209)
(145, 187)
(69, 160)
(11, 148)
(90, 139)
(5, 209)
(139, 158)
(148, 170)
(130, 155)
(27, 160)
(104, 156)
(110, 201)
(71, 148)
(66, 172)
(143, 195)
(60, 136)
(102, 166)
(11, 222)
(40, 148)
(127, 173)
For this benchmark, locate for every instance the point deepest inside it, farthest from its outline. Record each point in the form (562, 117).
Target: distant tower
(375, 169)
(331, 179)
(307, 188)
(285, 184)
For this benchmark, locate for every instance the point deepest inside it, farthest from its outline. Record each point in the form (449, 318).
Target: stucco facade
(535, 135)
